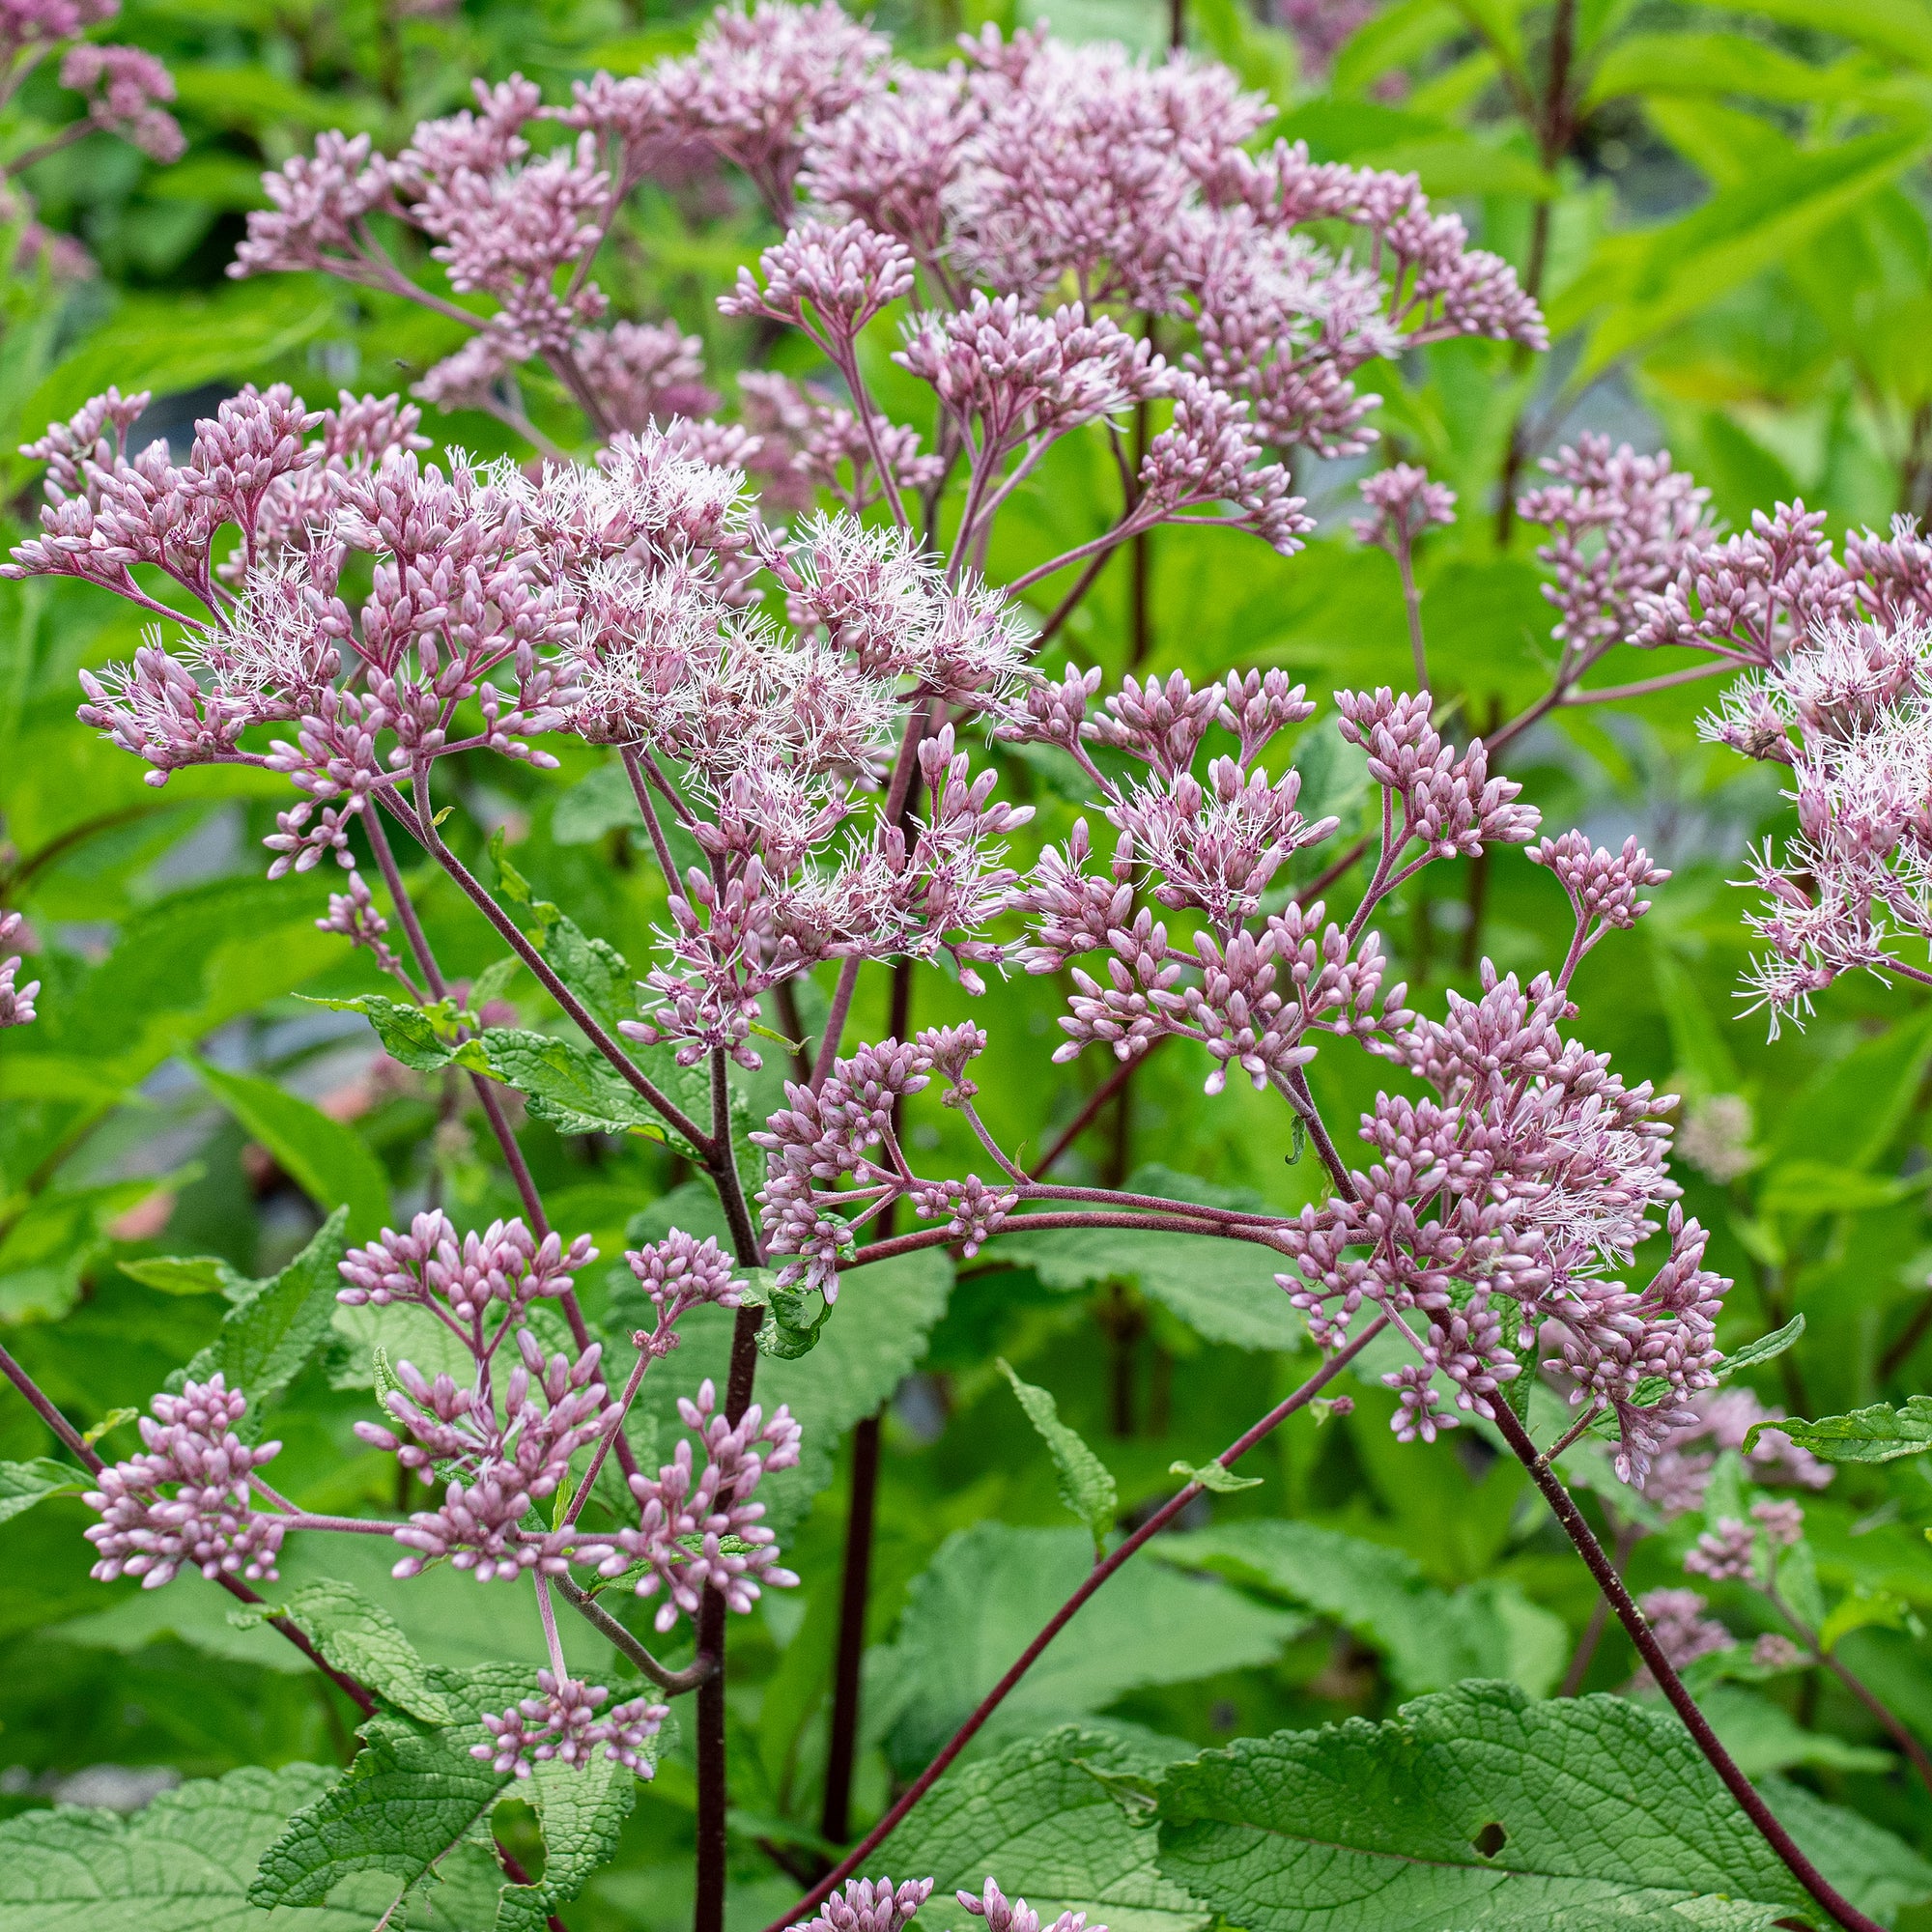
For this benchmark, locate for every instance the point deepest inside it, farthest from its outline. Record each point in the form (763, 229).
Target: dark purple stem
(1058, 1621)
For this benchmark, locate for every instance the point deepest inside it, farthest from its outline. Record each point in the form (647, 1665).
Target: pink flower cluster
(562, 1725)
(125, 87)
(1681, 1471)
(821, 1138)
(699, 1529)
(184, 1499)
(980, 194)
(16, 1002)
(871, 1905)
(1015, 1915)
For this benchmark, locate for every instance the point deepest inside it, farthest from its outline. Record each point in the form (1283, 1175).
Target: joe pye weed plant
(803, 646)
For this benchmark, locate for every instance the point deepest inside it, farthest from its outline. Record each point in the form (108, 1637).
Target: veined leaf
(327, 1160)
(420, 1037)
(363, 1638)
(1431, 1638)
(1474, 1808)
(1766, 1348)
(1043, 1808)
(582, 1810)
(178, 1275)
(413, 1795)
(1879, 1433)
(989, 1590)
(22, 1485)
(181, 1865)
(1086, 1483)
(1877, 1871)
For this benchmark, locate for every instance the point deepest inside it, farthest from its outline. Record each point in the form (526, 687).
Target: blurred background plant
(1724, 211)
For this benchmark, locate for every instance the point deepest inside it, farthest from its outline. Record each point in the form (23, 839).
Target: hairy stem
(1841, 1910)
(1058, 1621)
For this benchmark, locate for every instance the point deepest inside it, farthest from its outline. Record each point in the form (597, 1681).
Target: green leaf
(1764, 1737)
(1654, 281)
(1224, 1290)
(1086, 1483)
(986, 1593)
(201, 1274)
(421, 1037)
(363, 1640)
(1043, 1808)
(1766, 1348)
(277, 1327)
(572, 1088)
(1856, 1105)
(1214, 1477)
(595, 804)
(181, 1865)
(1710, 63)
(1879, 1873)
(1879, 1433)
(1430, 1638)
(327, 1160)
(582, 1808)
(790, 1329)
(413, 1795)
(1473, 1808)
(1898, 28)
(22, 1485)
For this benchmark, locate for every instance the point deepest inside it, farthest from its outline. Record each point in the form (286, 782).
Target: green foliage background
(1734, 249)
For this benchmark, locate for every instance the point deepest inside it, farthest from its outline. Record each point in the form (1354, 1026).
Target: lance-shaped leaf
(421, 1037)
(181, 1865)
(1879, 1433)
(22, 1485)
(1086, 1483)
(1474, 1810)
(327, 1160)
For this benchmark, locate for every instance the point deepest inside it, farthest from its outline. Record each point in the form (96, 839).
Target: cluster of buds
(183, 1501)
(845, 1131)
(16, 1002)
(1014, 1915)
(680, 1273)
(981, 195)
(698, 1529)
(871, 1905)
(500, 1271)
(1746, 1550)
(563, 1724)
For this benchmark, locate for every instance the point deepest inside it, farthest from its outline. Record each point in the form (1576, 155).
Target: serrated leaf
(1595, 1810)
(1879, 1433)
(1429, 1637)
(183, 1863)
(572, 1088)
(22, 1485)
(1214, 1477)
(277, 1327)
(1043, 1808)
(1086, 1483)
(581, 1808)
(363, 1638)
(421, 1037)
(988, 1591)
(411, 1795)
(327, 1160)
